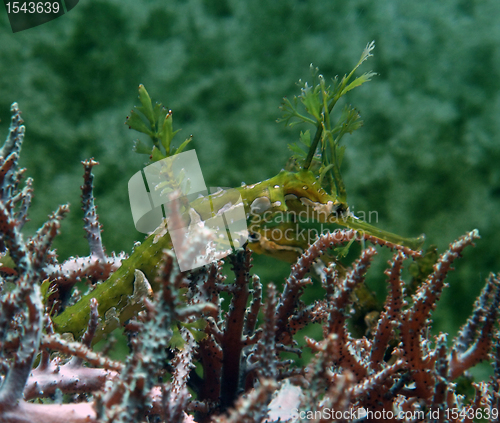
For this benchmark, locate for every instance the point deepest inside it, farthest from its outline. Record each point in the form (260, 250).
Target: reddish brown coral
(193, 360)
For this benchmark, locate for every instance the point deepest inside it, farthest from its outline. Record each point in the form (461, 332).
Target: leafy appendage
(156, 122)
(318, 101)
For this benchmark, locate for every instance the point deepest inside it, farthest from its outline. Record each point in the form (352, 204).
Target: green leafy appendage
(324, 153)
(156, 122)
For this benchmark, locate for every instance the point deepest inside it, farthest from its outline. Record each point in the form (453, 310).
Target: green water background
(426, 159)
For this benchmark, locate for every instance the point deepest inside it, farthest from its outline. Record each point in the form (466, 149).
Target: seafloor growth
(192, 360)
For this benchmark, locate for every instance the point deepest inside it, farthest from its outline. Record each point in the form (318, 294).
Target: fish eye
(253, 237)
(340, 210)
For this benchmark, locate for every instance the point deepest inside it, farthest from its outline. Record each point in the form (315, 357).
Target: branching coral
(191, 359)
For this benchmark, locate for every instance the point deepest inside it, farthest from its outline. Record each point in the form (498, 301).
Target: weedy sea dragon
(309, 190)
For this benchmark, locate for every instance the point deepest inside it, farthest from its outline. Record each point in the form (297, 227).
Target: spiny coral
(191, 359)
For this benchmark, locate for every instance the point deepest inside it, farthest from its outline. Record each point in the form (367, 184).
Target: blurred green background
(426, 159)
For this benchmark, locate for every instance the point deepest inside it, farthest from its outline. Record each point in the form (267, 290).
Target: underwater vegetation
(203, 347)
(425, 160)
